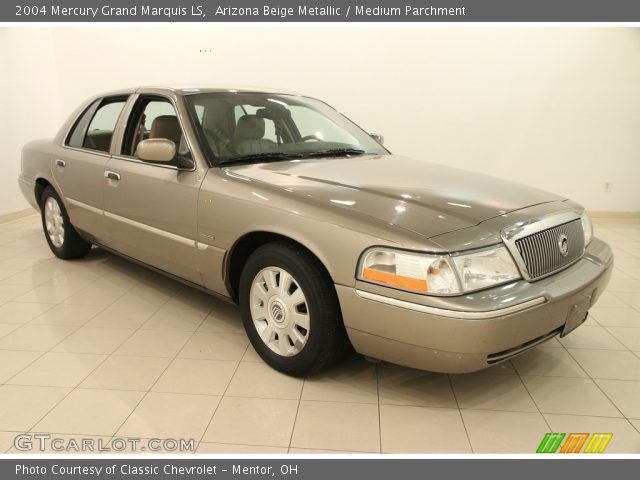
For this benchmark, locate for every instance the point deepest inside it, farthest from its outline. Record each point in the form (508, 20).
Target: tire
(300, 319)
(64, 241)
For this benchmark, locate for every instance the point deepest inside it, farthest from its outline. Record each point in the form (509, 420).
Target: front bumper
(474, 331)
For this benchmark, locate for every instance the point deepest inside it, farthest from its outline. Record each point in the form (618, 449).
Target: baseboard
(617, 215)
(8, 217)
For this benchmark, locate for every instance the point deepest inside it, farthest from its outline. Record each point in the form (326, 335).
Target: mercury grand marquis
(325, 239)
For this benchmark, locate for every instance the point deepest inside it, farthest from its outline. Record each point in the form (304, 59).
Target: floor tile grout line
(173, 358)
(532, 398)
(51, 306)
(593, 380)
(377, 370)
(391, 404)
(61, 302)
(616, 337)
(25, 367)
(36, 285)
(169, 298)
(10, 332)
(80, 290)
(577, 415)
(77, 353)
(43, 353)
(72, 389)
(295, 418)
(464, 425)
(51, 349)
(215, 410)
(588, 376)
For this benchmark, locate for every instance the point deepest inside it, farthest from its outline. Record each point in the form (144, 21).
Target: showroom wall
(558, 108)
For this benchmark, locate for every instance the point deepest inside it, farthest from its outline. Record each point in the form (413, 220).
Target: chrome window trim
(136, 160)
(460, 314)
(121, 125)
(88, 150)
(524, 229)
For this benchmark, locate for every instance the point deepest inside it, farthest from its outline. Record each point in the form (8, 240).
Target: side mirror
(156, 150)
(377, 137)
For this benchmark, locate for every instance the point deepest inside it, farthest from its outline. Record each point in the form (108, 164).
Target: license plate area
(576, 316)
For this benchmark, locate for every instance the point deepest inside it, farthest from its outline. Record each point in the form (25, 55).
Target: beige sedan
(325, 239)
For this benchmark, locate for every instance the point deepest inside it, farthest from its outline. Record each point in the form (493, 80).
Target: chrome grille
(541, 251)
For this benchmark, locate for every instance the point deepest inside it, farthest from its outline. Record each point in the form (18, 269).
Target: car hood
(417, 195)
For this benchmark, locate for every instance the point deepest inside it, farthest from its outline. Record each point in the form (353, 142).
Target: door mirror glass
(377, 137)
(156, 150)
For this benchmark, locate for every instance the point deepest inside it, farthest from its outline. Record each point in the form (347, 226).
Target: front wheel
(62, 238)
(290, 310)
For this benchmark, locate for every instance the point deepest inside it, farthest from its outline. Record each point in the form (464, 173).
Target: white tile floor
(103, 348)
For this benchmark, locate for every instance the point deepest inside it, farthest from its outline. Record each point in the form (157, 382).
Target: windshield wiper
(262, 157)
(275, 156)
(334, 152)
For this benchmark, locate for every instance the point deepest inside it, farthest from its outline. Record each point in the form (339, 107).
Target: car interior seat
(247, 138)
(166, 126)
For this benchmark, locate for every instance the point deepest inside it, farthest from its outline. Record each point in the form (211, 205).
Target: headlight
(587, 227)
(485, 268)
(413, 272)
(437, 274)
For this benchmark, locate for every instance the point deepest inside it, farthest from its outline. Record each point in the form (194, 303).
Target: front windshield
(256, 127)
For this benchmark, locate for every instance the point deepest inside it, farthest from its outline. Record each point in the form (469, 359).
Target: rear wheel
(290, 310)
(64, 241)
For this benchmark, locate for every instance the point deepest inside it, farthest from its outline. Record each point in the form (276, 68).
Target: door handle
(61, 163)
(112, 175)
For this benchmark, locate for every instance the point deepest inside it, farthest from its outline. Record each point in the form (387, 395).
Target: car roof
(193, 89)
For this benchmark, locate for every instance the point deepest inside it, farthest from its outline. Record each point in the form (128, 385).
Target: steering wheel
(310, 137)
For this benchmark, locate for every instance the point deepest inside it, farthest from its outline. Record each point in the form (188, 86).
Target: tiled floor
(102, 348)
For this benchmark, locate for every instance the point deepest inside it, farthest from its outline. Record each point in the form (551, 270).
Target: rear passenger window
(94, 129)
(102, 126)
(76, 137)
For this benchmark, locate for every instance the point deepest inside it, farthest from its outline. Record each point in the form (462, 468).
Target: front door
(151, 209)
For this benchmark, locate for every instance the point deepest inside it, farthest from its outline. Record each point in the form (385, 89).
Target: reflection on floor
(102, 348)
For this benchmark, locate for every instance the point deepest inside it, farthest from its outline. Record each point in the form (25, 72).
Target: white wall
(558, 108)
(31, 95)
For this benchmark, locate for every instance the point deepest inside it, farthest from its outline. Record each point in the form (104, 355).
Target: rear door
(79, 169)
(151, 209)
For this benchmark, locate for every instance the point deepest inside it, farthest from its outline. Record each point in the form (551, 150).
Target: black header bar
(426, 11)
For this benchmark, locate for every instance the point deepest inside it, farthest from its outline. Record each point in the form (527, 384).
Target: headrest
(166, 126)
(250, 127)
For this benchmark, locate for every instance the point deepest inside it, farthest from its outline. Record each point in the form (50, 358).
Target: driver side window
(153, 118)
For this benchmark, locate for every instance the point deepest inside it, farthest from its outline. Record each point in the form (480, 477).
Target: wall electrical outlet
(606, 187)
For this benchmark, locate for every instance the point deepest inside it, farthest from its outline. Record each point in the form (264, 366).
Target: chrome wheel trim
(53, 221)
(280, 311)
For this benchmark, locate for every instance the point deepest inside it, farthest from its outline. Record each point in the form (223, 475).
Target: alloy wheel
(279, 311)
(54, 222)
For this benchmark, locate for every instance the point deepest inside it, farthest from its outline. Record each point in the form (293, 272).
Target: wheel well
(245, 246)
(41, 184)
